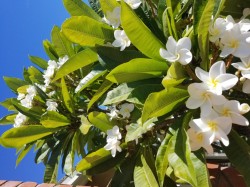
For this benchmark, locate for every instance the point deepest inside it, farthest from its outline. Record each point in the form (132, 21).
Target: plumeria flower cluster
(26, 100)
(53, 66)
(51, 105)
(113, 140)
(123, 110)
(217, 113)
(231, 37)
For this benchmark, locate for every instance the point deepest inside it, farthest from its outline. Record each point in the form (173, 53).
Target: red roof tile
(11, 183)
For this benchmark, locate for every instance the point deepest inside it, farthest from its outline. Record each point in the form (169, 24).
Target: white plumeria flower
(113, 18)
(113, 112)
(244, 108)
(201, 96)
(27, 101)
(134, 4)
(216, 127)
(42, 87)
(49, 72)
(121, 40)
(51, 105)
(234, 42)
(217, 29)
(20, 120)
(243, 66)
(198, 140)
(20, 96)
(62, 60)
(31, 90)
(217, 79)
(113, 143)
(246, 86)
(177, 51)
(126, 109)
(232, 109)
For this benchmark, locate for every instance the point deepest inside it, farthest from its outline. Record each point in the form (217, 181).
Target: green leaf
(139, 33)
(8, 119)
(8, 104)
(102, 90)
(50, 51)
(61, 44)
(89, 79)
(179, 157)
(203, 11)
(17, 137)
(39, 61)
(234, 8)
(52, 119)
(238, 145)
(137, 69)
(95, 33)
(30, 112)
(76, 62)
(66, 96)
(79, 8)
(113, 57)
(100, 120)
(35, 76)
(93, 159)
(120, 93)
(143, 175)
(163, 102)
(14, 83)
(23, 153)
(108, 5)
(42, 153)
(202, 175)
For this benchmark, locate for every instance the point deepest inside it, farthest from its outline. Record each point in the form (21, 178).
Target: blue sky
(24, 25)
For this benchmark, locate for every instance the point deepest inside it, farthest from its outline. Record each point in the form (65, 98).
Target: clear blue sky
(24, 25)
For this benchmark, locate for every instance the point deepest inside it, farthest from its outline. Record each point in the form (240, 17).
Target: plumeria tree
(145, 88)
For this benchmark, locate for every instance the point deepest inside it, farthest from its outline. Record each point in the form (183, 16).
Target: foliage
(149, 86)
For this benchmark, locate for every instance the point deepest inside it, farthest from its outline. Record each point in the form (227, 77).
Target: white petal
(246, 86)
(217, 69)
(226, 51)
(193, 103)
(242, 50)
(217, 99)
(184, 43)
(239, 66)
(171, 45)
(223, 137)
(227, 81)
(225, 123)
(245, 74)
(185, 56)
(239, 119)
(167, 55)
(201, 74)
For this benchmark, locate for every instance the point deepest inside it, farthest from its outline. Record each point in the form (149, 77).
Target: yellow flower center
(234, 44)
(213, 83)
(213, 126)
(226, 112)
(199, 137)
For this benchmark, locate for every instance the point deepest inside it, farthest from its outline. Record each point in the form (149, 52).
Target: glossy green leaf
(8, 104)
(203, 11)
(89, 79)
(108, 5)
(39, 61)
(66, 96)
(35, 76)
(93, 159)
(50, 51)
(100, 120)
(113, 57)
(87, 31)
(120, 93)
(179, 158)
(79, 8)
(23, 153)
(61, 44)
(163, 102)
(143, 175)
(78, 61)
(139, 33)
(137, 69)
(42, 153)
(14, 83)
(201, 171)
(8, 119)
(52, 119)
(238, 145)
(102, 90)
(17, 137)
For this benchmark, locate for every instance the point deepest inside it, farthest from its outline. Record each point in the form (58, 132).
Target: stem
(229, 61)
(191, 73)
(215, 54)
